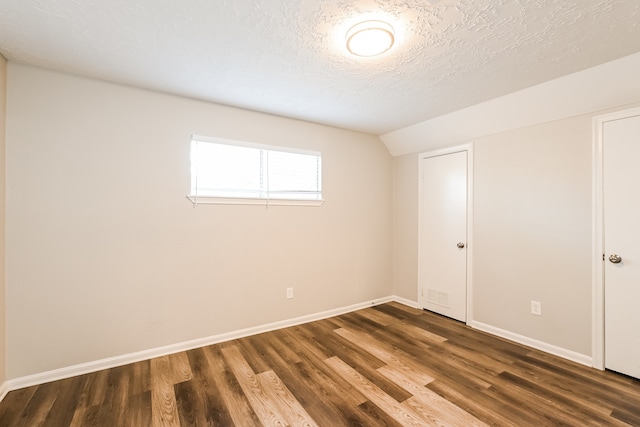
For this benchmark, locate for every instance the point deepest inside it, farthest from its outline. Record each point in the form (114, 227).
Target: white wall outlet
(289, 293)
(536, 308)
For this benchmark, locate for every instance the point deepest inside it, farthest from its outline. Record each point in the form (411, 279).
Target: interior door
(443, 234)
(621, 198)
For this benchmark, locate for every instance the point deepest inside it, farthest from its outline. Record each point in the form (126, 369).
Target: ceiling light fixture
(370, 38)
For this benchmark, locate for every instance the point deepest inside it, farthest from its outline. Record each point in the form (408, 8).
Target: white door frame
(597, 278)
(468, 148)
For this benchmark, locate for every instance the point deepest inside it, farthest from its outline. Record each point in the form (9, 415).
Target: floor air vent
(438, 297)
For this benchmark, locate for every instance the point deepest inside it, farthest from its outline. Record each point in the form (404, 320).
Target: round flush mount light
(370, 38)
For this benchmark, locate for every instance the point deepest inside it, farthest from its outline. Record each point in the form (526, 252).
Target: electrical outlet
(536, 308)
(289, 293)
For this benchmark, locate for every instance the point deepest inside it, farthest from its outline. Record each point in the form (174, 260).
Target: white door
(443, 234)
(621, 199)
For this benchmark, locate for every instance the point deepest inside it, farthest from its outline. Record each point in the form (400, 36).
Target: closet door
(443, 234)
(621, 199)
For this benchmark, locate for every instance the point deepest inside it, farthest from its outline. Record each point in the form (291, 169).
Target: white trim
(204, 200)
(469, 243)
(597, 248)
(583, 359)
(405, 301)
(238, 143)
(597, 271)
(262, 194)
(4, 389)
(470, 160)
(125, 359)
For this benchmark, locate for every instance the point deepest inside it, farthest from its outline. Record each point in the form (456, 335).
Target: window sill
(200, 200)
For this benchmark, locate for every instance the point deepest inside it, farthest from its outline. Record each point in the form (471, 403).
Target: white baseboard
(530, 342)
(407, 302)
(125, 359)
(4, 389)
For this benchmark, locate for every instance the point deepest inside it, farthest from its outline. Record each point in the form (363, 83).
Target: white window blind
(224, 171)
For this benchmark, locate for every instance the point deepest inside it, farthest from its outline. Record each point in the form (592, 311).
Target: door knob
(461, 245)
(615, 258)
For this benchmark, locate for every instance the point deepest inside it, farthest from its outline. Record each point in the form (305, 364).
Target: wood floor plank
(378, 317)
(111, 400)
(15, 403)
(98, 388)
(588, 396)
(630, 418)
(120, 398)
(253, 355)
(396, 339)
(78, 419)
(180, 368)
(94, 390)
(138, 412)
(614, 383)
(464, 365)
(140, 380)
(444, 364)
(494, 350)
(468, 357)
(411, 310)
(309, 334)
(190, 404)
(282, 398)
(456, 332)
(61, 413)
(311, 392)
(397, 312)
(360, 361)
(438, 417)
(519, 414)
(199, 400)
(539, 396)
(363, 361)
(164, 408)
(429, 404)
(260, 402)
(409, 330)
(93, 416)
(38, 407)
(405, 416)
(374, 416)
(330, 386)
(287, 352)
(236, 402)
(477, 404)
(594, 393)
(396, 358)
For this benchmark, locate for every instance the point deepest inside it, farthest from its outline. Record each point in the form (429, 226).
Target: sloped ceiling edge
(608, 85)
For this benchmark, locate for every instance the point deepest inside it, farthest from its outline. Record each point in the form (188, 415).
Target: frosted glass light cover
(370, 38)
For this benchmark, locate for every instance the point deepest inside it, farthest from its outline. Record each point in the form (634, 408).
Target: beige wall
(405, 226)
(532, 231)
(3, 113)
(105, 256)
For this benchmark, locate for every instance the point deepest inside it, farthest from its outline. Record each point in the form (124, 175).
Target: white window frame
(213, 200)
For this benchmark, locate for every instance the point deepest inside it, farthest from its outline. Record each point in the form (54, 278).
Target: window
(233, 172)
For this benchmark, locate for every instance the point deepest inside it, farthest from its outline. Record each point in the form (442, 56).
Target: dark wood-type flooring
(389, 365)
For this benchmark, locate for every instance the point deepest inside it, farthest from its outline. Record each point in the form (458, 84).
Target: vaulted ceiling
(288, 57)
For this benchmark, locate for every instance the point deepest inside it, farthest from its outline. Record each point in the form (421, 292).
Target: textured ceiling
(287, 57)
